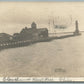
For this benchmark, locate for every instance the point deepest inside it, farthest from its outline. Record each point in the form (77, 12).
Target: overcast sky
(16, 15)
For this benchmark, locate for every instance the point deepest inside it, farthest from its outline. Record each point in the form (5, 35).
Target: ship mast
(54, 27)
(49, 24)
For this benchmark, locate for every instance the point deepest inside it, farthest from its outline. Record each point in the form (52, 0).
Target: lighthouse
(77, 32)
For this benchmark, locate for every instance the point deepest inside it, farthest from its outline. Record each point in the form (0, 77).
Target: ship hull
(22, 43)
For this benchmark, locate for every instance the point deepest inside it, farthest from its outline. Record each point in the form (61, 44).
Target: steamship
(29, 36)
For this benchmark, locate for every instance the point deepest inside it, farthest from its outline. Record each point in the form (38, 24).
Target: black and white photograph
(41, 39)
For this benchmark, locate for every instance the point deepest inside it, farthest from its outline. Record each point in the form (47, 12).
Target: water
(62, 57)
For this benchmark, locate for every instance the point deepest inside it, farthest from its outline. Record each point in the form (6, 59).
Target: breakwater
(30, 42)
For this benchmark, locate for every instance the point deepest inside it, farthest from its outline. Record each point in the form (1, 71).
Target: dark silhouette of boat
(39, 36)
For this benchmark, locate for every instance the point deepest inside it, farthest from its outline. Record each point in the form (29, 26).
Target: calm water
(63, 57)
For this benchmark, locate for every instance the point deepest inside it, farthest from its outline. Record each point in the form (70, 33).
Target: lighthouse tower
(77, 32)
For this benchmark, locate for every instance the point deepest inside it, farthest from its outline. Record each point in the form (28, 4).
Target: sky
(14, 16)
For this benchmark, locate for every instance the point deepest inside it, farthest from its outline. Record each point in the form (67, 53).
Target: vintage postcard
(41, 41)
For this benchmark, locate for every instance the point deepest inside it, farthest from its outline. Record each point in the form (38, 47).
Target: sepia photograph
(41, 39)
